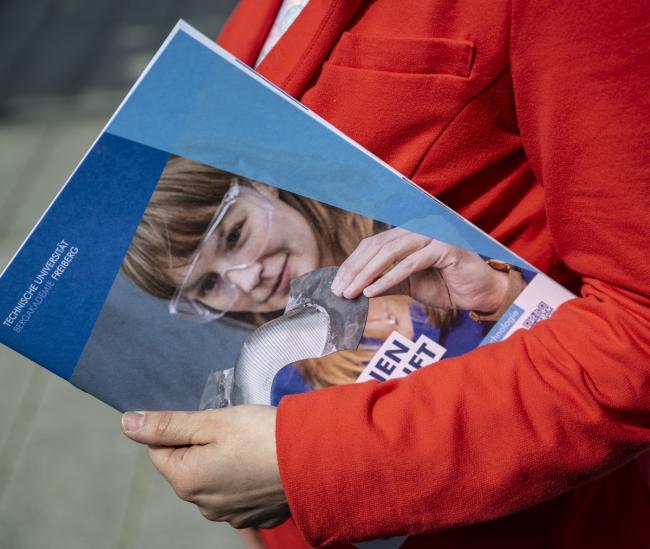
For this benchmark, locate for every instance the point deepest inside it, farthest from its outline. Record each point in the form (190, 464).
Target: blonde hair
(178, 215)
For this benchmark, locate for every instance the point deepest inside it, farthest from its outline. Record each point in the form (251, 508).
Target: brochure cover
(189, 260)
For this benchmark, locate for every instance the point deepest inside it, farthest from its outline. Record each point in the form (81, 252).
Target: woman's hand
(224, 461)
(434, 273)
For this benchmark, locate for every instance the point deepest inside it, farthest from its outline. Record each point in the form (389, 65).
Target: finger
(161, 456)
(167, 428)
(167, 459)
(418, 261)
(174, 465)
(442, 255)
(363, 253)
(396, 250)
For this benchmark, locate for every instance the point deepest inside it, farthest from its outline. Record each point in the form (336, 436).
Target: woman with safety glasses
(214, 244)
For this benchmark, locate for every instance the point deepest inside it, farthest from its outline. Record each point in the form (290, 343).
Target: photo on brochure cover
(225, 296)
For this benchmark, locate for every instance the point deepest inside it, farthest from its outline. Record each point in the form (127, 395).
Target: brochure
(189, 259)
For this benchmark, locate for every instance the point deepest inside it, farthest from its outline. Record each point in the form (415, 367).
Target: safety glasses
(235, 239)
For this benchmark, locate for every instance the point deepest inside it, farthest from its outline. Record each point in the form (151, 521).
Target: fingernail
(132, 421)
(336, 286)
(349, 291)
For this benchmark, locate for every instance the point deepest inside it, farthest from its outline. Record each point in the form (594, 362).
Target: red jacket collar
(298, 55)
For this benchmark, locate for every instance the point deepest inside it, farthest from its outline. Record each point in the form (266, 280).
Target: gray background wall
(68, 477)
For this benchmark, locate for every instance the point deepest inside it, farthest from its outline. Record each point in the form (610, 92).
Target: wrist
(508, 284)
(498, 295)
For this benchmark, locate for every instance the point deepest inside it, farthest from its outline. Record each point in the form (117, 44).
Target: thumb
(167, 428)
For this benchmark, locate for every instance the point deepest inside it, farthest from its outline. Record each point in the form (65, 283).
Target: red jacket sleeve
(514, 423)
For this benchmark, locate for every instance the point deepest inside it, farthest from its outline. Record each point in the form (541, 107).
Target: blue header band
(197, 104)
(96, 213)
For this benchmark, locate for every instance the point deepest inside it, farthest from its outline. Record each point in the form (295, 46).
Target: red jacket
(531, 120)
